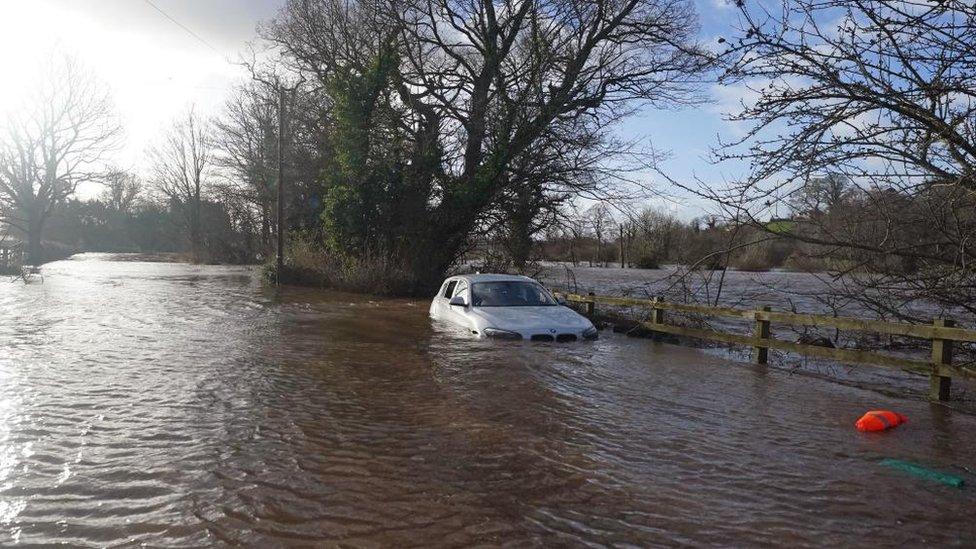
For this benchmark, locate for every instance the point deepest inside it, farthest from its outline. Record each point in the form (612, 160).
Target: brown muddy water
(168, 404)
(783, 291)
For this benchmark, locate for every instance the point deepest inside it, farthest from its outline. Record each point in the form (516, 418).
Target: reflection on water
(171, 404)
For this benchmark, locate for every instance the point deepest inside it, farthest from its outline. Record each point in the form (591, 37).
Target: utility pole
(623, 258)
(280, 259)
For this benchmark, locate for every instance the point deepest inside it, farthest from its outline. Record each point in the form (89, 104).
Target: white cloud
(729, 99)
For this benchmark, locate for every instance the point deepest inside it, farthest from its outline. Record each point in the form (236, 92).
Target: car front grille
(561, 338)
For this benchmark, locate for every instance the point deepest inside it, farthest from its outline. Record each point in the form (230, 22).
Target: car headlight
(495, 333)
(591, 333)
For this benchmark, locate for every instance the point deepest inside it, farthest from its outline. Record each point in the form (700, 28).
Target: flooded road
(171, 404)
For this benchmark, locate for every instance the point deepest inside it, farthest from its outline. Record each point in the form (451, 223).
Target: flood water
(170, 404)
(782, 290)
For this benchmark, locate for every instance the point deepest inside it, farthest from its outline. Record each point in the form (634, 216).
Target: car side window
(462, 287)
(449, 289)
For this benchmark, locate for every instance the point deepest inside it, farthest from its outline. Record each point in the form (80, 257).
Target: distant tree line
(128, 218)
(800, 239)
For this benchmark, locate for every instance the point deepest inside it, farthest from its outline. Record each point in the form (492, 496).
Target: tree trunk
(623, 257)
(265, 229)
(428, 269)
(519, 242)
(195, 225)
(428, 258)
(35, 253)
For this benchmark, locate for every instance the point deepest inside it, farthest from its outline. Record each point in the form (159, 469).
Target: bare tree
(50, 145)
(181, 166)
(122, 188)
(881, 90)
(655, 237)
(574, 225)
(601, 222)
(571, 160)
(880, 95)
(820, 194)
(246, 138)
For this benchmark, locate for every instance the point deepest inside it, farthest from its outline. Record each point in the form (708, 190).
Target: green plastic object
(924, 472)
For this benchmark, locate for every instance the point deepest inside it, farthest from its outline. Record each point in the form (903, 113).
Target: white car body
(550, 322)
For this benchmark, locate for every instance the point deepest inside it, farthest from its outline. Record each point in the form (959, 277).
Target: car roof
(488, 277)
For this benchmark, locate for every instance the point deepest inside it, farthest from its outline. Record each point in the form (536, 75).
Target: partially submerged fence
(941, 335)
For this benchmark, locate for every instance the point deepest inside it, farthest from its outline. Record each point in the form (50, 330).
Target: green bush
(309, 262)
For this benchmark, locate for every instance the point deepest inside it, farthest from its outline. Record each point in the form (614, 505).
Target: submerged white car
(508, 307)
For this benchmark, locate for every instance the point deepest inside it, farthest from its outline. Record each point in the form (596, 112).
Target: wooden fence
(941, 334)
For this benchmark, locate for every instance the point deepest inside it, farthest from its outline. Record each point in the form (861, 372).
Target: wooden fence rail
(941, 334)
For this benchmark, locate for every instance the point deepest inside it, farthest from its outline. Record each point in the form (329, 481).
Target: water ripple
(177, 405)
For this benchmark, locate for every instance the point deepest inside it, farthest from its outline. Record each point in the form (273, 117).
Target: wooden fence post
(762, 332)
(940, 386)
(657, 313)
(591, 305)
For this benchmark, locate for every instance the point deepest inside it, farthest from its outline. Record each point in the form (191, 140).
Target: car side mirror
(458, 301)
(561, 301)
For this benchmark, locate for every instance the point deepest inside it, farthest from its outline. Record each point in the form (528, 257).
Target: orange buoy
(879, 420)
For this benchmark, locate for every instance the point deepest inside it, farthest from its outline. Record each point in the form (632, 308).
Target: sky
(156, 68)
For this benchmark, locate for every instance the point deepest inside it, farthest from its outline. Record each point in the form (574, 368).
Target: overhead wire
(182, 26)
(192, 33)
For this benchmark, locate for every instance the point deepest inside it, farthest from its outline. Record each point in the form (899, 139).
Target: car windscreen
(510, 294)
